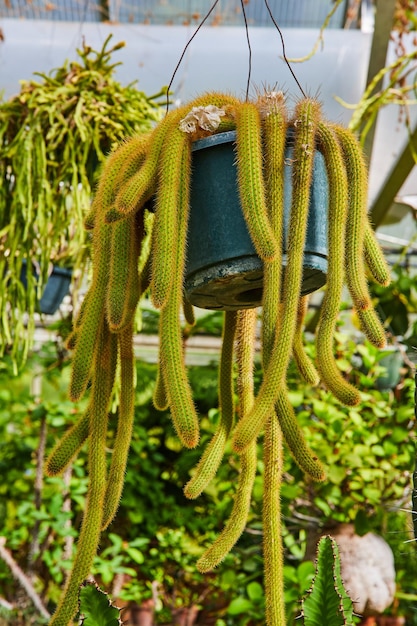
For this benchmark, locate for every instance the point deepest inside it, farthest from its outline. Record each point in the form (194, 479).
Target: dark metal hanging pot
(223, 270)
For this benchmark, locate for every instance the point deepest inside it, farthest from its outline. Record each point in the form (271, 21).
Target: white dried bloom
(206, 118)
(269, 102)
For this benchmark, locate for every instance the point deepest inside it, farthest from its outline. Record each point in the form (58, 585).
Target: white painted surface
(217, 59)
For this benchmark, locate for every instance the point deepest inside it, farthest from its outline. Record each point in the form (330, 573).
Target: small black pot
(223, 270)
(56, 288)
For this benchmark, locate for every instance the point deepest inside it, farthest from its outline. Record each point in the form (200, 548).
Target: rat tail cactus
(139, 224)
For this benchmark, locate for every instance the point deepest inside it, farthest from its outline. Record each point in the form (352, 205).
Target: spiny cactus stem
(236, 523)
(123, 263)
(294, 438)
(251, 182)
(160, 397)
(177, 386)
(91, 525)
(275, 131)
(249, 428)
(136, 285)
(304, 364)
(140, 187)
(174, 175)
(86, 340)
(213, 454)
(105, 195)
(272, 532)
(93, 313)
(188, 310)
(374, 258)
(337, 215)
(372, 327)
(68, 447)
(356, 218)
(124, 427)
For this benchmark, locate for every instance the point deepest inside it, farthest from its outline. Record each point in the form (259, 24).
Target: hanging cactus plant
(136, 249)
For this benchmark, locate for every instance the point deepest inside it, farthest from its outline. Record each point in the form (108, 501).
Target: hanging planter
(223, 270)
(56, 288)
(136, 250)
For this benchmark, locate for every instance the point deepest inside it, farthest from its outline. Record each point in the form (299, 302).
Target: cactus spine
(158, 166)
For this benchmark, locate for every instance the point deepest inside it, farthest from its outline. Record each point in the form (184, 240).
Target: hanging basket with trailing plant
(54, 136)
(140, 227)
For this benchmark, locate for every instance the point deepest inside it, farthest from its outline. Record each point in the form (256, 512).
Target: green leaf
(327, 602)
(95, 607)
(238, 606)
(362, 523)
(255, 591)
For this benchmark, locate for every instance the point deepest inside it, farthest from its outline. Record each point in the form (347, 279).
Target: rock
(368, 573)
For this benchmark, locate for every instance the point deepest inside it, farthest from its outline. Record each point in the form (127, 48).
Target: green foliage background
(158, 534)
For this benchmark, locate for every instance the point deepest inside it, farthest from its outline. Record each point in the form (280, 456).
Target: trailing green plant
(54, 136)
(158, 165)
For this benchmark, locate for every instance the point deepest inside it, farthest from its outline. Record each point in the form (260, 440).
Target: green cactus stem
(160, 398)
(295, 440)
(174, 176)
(304, 364)
(374, 258)
(356, 218)
(91, 526)
(272, 530)
(177, 386)
(275, 133)
(130, 151)
(124, 257)
(250, 181)
(94, 310)
(327, 601)
(307, 115)
(141, 186)
(213, 454)
(337, 217)
(372, 327)
(125, 420)
(188, 310)
(68, 447)
(236, 523)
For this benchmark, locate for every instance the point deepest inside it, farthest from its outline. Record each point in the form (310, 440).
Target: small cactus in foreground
(327, 602)
(96, 609)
